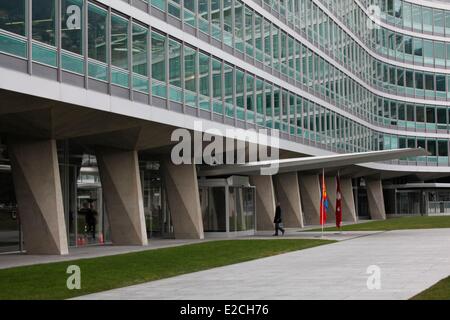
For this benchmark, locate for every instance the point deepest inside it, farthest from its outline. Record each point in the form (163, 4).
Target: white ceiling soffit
(311, 163)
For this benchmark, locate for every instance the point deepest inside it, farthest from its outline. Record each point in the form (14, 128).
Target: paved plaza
(409, 260)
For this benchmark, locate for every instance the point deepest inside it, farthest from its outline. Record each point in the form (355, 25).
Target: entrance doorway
(228, 206)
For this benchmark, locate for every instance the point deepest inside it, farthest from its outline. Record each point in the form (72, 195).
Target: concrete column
(122, 191)
(37, 184)
(330, 182)
(265, 202)
(375, 199)
(288, 194)
(184, 200)
(310, 195)
(348, 201)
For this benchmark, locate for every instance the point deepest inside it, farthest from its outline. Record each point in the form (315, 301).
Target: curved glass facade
(313, 69)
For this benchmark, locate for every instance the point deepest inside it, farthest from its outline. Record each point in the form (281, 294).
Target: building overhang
(310, 163)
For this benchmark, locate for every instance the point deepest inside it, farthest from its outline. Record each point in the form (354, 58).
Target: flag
(338, 202)
(323, 202)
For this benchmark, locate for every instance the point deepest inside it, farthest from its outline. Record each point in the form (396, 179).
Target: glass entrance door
(241, 204)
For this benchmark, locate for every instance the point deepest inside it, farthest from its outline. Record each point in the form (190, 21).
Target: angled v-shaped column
(122, 191)
(348, 201)
(37, 184)
(375, 199)
(310, 195)
(265, 202)
(288, 194)
(184, 200)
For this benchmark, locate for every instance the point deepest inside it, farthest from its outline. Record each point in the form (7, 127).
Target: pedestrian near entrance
(278, 221)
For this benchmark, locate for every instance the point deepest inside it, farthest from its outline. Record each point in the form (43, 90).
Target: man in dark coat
(277, 220)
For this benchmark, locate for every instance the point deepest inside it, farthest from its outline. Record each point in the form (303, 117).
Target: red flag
(338, 203)
(323, 203)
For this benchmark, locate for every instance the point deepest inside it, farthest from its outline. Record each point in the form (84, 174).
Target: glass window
(175, 70)
(97, 33)
(447, 23)
(174, 8)
(160, 4)
(119, 42)
(418, 50)
(44, 25)
(44, 21)
(258, 37)
(159, 64)
(269, 109)
(267, 43)
(275, 48)
(189, 12)
(430, 115)
(441, 115)
(407, 20)
(12, 16)
(217, 85)
(443, 148)
(427, 15)
(72, 35)
(417, 17)
(190, 63)
(140, 50)
(238, 25)
(240, 93)
(227, 23)
(140, 56)
(71, 22)
(203, 16)
(250, 98)
(259, 100)
(12, 19)
(428, 52)
(190, 76)
(439, 20)
(429, 82)
(204, 81)
(420, 114)
(229, 85)
(249, 31)
(419, 80)
(97, 25)
(440, 83)
(439, 52)
(216, 29)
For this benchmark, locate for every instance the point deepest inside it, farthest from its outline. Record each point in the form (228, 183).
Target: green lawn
(439, 291)
(402, 223)
(48, 281)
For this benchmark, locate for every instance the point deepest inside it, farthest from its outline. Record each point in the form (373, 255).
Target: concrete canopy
(311, 163)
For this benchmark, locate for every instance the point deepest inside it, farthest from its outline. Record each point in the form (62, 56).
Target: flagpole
(340, 224)
(322, 201)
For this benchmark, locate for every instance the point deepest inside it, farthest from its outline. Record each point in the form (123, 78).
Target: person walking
(277, 220)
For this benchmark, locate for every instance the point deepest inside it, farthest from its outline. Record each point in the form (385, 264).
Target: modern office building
(92, 90)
